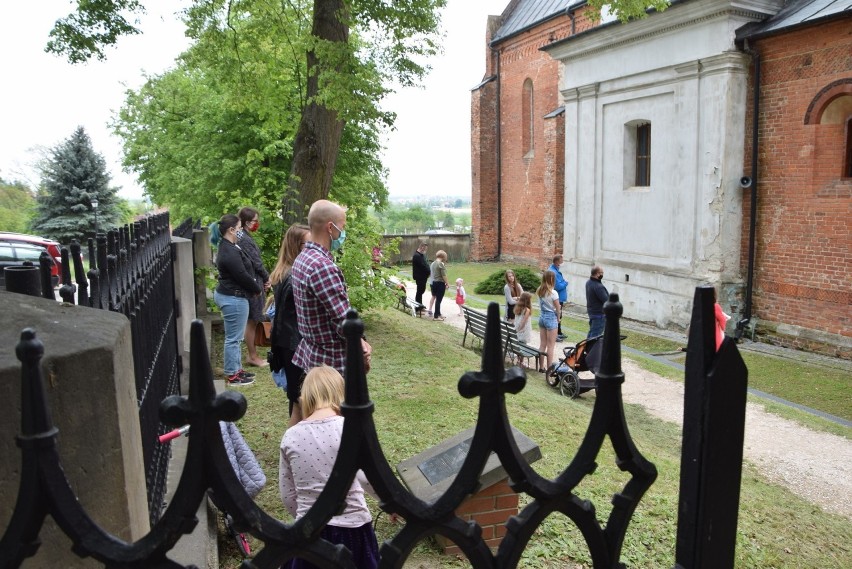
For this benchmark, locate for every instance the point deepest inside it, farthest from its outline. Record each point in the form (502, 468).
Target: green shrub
(495, 282)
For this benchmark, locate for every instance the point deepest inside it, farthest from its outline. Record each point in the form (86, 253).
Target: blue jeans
(235, 311)
(548, 320)
(596, 326)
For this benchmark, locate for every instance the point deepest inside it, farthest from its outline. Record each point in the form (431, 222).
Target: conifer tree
(71, 178)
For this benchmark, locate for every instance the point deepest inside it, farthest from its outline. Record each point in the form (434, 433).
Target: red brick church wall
(803, 271)
(531, 189)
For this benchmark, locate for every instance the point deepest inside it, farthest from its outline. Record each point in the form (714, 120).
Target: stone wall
(456, 245)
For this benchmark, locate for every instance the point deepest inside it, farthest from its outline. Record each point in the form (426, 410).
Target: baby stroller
(584, 356)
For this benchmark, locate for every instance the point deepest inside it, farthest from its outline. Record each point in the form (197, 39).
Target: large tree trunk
(318, 139)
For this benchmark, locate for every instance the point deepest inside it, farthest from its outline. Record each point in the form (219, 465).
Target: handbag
(263, 334)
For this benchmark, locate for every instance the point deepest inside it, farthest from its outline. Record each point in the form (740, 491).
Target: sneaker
(247, 374)
(239, 380)
(560, 337)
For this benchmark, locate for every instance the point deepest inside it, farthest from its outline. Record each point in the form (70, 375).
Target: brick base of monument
(490, 508)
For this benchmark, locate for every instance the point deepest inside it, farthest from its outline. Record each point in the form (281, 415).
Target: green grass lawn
(413, 383)
(815, 386)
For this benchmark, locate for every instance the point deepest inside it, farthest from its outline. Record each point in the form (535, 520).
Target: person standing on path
(596, 296)
(420, 271)
(512, 291)
(439, 281)
(548, 305)
(251, 221)
(561, 287)
(319, 292)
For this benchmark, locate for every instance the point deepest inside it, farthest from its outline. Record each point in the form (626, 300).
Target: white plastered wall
(681, 71)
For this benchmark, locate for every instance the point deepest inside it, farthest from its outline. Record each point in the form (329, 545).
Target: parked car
(13, 240)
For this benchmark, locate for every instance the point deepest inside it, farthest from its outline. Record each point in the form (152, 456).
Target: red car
(51, 246)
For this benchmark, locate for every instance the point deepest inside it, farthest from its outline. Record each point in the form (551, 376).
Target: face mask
(338, 243)
(254, 226)
(240, 233)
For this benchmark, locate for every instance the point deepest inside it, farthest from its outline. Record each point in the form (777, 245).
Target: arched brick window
(527, 123)
(833, 106)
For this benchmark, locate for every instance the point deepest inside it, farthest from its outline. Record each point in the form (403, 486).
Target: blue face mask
(338, 243)
(240, 234)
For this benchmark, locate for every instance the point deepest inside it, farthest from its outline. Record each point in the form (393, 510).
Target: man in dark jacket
(420, 270)
(596, 296)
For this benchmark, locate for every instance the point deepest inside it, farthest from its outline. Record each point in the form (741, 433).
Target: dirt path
(813, 465)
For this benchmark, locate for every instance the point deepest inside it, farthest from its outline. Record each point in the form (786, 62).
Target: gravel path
(813, 465)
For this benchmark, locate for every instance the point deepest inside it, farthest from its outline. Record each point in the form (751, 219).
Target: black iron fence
(186, 227)
(44, 488)
(131, 272)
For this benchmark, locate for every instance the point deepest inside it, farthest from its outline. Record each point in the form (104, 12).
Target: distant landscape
(421, 214)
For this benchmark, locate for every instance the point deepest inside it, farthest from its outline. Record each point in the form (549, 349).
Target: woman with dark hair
(236, 284)
(251, 221)
(285, 331)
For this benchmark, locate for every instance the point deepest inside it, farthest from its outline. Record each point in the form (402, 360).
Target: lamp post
(95, 208)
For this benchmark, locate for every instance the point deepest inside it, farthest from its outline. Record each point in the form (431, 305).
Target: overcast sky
(43, 99)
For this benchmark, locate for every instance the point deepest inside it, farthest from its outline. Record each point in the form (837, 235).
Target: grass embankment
(413, 383)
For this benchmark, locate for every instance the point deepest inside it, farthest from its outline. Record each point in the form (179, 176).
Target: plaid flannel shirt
(321, 305)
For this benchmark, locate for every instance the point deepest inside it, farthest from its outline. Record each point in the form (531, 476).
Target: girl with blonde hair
(308, 452)
(548, 322)
(285, 331)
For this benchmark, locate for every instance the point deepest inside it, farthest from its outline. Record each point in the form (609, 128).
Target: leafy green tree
(627, 10)
(17, 205)
(448, 220)
(344, 53)
(71, 177)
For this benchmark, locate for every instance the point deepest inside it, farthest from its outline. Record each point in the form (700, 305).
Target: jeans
(547, 320)
(596, 326)
(235, 311)
(439, 288)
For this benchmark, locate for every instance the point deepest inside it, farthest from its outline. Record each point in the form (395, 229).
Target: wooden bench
(475, 322)
(402, 301)
(516, 350)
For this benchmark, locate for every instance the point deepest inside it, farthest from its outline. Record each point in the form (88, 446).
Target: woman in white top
(308, 451)
(548, 303)
(512, 291)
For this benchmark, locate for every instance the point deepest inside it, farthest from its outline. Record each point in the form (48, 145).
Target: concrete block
(89, 382)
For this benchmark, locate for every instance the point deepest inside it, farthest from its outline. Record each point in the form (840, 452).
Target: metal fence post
(712, 452)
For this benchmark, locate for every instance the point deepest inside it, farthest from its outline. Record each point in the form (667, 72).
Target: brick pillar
(484, 175)
(490, 508)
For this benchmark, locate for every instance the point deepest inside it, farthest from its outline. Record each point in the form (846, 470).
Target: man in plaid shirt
(320, 292)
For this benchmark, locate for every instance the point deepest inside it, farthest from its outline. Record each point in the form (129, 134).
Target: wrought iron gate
(44, 488)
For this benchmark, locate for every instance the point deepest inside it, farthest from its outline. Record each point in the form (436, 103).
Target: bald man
(319, 291)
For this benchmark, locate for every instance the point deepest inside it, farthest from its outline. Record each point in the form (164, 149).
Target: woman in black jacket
(250, 220)
(236, 284)
(285, 331)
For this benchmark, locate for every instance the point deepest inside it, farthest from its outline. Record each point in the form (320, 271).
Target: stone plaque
(445, 464)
